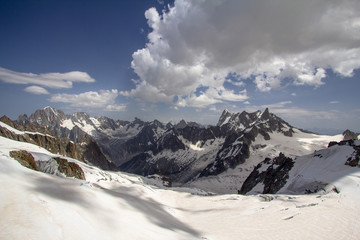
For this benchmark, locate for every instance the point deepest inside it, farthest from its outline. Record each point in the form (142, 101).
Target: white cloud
(211, 96)
(36, 90)
(334, 102)
(277, 105)
(148, 93)
(116, 108)
(200, 101)
(198, 43)
(50, 80)
(91, 99)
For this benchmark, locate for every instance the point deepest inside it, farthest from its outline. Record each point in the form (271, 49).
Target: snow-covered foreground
(109, 205)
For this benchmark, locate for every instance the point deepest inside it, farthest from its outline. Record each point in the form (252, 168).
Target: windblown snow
(115, 205)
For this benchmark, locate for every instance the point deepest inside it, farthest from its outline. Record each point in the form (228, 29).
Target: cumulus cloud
(36, 90)
(197, 44)
(91, 99)
(50, 80)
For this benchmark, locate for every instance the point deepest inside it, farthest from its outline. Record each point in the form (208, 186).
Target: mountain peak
(181, 124)
(5, 119)
(265, 114)
(224, 118)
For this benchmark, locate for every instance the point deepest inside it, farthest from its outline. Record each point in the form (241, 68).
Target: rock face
(86, 150)
(25, 159)
(271, 174)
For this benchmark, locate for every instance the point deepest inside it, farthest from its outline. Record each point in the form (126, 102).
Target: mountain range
(216, 158)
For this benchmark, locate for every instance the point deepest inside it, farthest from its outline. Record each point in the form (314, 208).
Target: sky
(171, 60)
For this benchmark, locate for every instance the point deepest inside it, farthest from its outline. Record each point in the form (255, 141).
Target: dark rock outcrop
(273, 174)
(349, 135)
(24, 158)
(92, 153)
(70, 169)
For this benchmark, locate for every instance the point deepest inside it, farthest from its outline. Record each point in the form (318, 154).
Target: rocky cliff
(86, 150)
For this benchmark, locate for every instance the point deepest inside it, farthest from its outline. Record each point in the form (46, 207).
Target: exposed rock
(8, 121)
(70, 169)
(86, 149)
(349, 135)
(271, 173)
(24, 158)
(93, 154)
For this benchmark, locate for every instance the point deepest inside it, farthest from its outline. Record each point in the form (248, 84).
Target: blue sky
(188, 60)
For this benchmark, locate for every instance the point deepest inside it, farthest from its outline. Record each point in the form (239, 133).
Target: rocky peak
(265, 115)
(46, 117)
(8, 121)
(225, 116)
(237, 121)
(157, 123)
(349, 135)
(138, 121)
(181, 124)
(22, 119)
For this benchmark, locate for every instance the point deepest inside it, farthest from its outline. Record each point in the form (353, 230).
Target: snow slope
(114, 205)
(299, 144)
(325, 166)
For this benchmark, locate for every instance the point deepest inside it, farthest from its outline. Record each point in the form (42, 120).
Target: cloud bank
(49, 80)
(195, 45)
(102, 99)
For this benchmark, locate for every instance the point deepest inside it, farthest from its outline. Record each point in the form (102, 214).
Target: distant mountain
(187, 152)
(109, 134)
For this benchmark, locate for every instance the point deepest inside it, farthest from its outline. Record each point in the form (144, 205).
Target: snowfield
(114, 205)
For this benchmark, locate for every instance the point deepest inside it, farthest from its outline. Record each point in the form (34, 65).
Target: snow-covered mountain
(46, 204)
(109, 134)
(223, 155)
(319, 171)
(218, 158)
